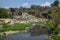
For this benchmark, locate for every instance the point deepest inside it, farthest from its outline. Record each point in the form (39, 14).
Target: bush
(56, 37)
(51, 25)
(3, 13)
(56, 31)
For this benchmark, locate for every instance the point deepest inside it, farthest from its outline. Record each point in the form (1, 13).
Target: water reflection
(26, 36)
(37, 32)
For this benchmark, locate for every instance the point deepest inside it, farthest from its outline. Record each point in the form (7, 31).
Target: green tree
(3, 13)
(36, 7)
(56, 3)
(32, 12)
(12, 10)
(55, 15)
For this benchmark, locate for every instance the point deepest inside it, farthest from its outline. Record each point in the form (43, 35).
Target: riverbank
(12, 32)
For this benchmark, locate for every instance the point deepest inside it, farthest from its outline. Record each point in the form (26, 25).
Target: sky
(24, 3)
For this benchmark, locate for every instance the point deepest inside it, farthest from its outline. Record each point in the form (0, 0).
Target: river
(37, 32)
(26, 36)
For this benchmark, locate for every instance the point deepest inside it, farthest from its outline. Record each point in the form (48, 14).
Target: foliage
(32, 12)
(41, 22)
(56, 31)
(5, 25)
(24, 10)
(3, 13)
(56, 3)
(12, 10)
(56, 37)
(51, 25)
(36, 7)
(1, 22)
(55, 15)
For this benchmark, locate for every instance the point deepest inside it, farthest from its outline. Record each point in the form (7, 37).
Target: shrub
(3, 13)
(56, 37)
(51, 25)
(56, 31)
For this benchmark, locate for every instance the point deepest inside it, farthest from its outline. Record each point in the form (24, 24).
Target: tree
(32, 12)
(56, 3)
(24, 9)
(12, 10)
(3, 13)
(36, 7)
(55, 15)
(32, 6)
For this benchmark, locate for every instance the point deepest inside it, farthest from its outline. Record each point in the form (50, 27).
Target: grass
(56, 37)
(41, 22)
(16, 27)
(48, 23)
(23, 26)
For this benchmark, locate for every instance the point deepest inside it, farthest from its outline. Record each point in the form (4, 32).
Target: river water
(26, 36)
(37, 32)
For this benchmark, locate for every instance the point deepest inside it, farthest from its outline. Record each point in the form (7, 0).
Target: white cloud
(46, 4)
(25, 5)
(6, 7)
